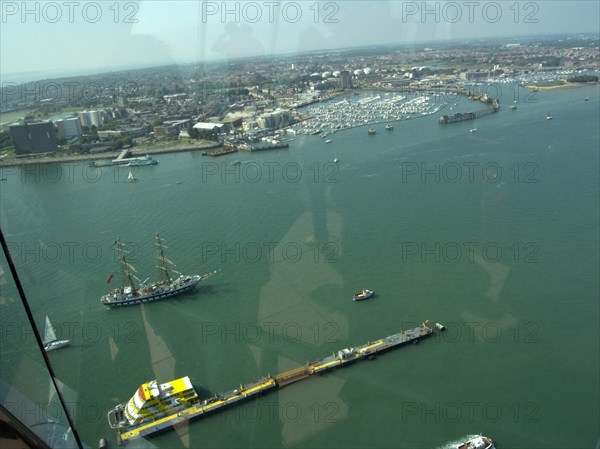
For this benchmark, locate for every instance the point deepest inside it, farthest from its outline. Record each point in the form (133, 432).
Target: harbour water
(493, 233)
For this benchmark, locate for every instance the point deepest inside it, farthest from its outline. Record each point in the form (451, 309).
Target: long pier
(462, 116)
(221, 401)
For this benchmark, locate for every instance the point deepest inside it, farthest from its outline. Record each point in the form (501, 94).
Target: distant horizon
(36, 75)
(72, 38)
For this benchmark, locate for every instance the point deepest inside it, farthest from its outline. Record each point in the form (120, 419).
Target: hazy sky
(58, 37)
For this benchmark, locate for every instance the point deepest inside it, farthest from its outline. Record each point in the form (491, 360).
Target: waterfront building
(345, 79)
(35, 137)
(90, 118)
(69, 128)
(212, 127)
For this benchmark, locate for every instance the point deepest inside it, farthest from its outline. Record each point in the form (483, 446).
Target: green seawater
(494, 233)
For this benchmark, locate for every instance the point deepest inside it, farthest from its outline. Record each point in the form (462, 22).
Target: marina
(133, 425)
(332, 116)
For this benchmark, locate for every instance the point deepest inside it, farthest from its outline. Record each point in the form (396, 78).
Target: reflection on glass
(26, 387)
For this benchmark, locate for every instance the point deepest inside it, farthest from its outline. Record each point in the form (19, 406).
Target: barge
(132, 420)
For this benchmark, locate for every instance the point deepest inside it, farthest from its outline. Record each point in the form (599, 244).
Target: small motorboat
(478, 442)
(365, 294)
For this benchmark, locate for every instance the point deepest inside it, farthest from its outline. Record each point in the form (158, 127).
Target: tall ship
(137, 291)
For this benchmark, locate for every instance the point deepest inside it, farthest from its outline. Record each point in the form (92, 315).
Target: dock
(124, 154)
(222, 401)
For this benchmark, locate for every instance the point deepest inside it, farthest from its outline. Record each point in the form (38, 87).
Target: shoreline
(110, 155)
(560, 86)
(207, 145)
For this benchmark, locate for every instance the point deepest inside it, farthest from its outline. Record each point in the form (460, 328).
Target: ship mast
(127, 267)
(163, 261)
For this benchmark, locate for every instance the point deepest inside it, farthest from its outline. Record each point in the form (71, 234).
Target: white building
(210, 126)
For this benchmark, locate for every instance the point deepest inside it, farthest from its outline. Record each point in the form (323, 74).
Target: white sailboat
(131, 177)
(50, 341)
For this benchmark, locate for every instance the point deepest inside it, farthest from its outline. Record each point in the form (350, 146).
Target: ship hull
(118, 299)
(56, 344)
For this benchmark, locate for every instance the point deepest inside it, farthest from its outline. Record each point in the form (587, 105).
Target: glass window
(219, 211)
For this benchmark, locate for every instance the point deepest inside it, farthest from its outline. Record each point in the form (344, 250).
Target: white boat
(50, 341)
(548, 116)
(328, 141)
(365, 294)
(131, 177)
(335, 160)
(144, 160)
(478, 442)
(473, 130)
(135, 161)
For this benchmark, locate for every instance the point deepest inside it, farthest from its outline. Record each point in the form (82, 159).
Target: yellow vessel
(153, 401)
